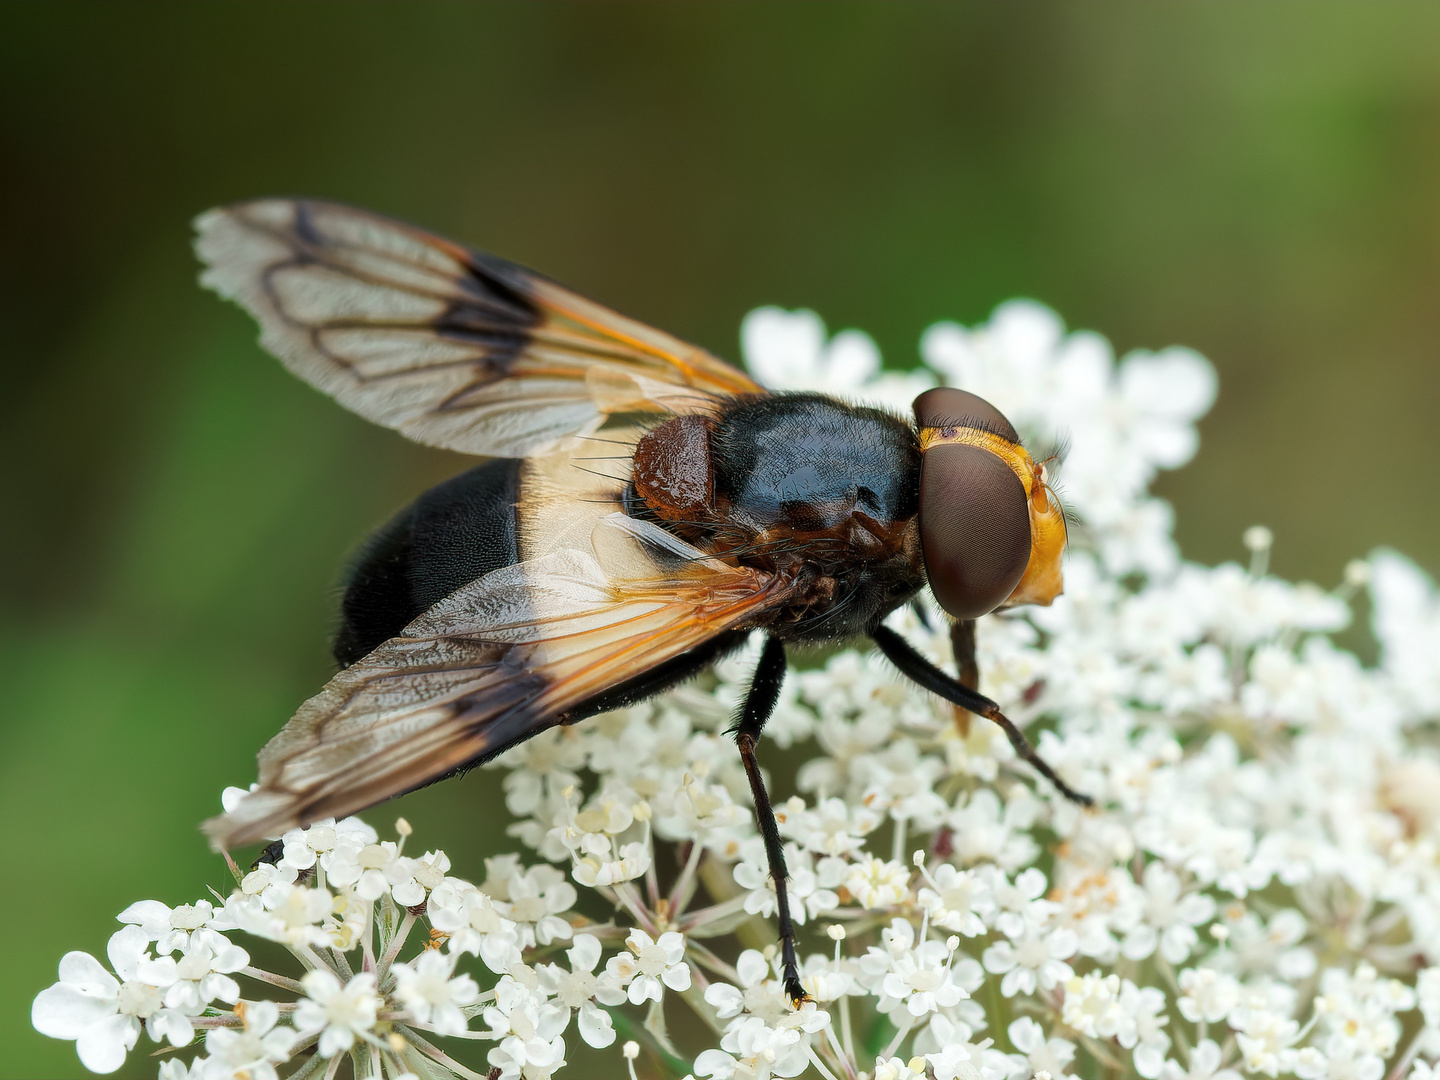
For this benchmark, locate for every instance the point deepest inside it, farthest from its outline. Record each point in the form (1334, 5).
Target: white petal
(1026, 1035)
(552, 928)
(584, 954)
(553, 1021)
(677, 977)
(945, 346)
(674, 945)
(219, 986)
(63, 1011)
(560, 897)
(309, 1016)
(728, 1001)
(1167, 445)
(645, 988)
(1082, 372)
(1139, 943)
(409, 894)
(320, 984)
(125, 948)
(752, 968)
(595, 1025)
(278, 1043)
(608, 990)
(231, 796)
(334, 1039)
(168, 1024)
(230, 957)
(102, 1047)
(850, 360)
(1177, 383)
(151, 915)
(782, 348)
(85, 973)
(716, 1064)
(185, 997)
(260, 1016)
(1026, 330)
(371, 885)
(159, 972)
(448, 1020)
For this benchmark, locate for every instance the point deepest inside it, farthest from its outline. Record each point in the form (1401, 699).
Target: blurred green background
(1260, 182)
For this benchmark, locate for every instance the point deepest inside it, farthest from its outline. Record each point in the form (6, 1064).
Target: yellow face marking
(1042, 580)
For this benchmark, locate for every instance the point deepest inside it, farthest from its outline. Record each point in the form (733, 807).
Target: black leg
(911, 663)
(759, 704)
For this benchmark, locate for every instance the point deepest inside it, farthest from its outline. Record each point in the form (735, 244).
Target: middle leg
(759, 705)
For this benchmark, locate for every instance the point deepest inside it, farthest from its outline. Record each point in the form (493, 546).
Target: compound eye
(974, 528)
(946, 406)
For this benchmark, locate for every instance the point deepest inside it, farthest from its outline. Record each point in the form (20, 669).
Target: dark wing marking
(451, 347)
(501, 658)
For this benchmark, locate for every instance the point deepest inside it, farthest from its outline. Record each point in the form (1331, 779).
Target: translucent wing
(500, 659)
(451, 347)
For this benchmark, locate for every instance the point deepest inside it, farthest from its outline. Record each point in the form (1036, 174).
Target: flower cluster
(1256, 892)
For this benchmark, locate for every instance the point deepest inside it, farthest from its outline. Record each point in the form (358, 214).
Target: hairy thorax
(819, 493)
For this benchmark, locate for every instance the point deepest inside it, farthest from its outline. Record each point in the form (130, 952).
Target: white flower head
(528, 1028)
(651, 965)
(1266, 803)
(338, 1012)
(102, 1013)
(537, 897)
(476, 924)
(788, 350)
(1033, 959)
(433, 994)
(878, 883)
(582, 990)
(253, 1049)
(169, 928)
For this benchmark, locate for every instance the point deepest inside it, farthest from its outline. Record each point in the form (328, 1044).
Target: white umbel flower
(878, 883)
(94, 1008)
(252, 1050)
(788, 350)
(1264, 800)
(651, 965)
(338, 1012)
(1034, 959)
(433, 994)
(537, 897)
(582, 990)
(169, 928)
(104, 1012)
(529, 1031)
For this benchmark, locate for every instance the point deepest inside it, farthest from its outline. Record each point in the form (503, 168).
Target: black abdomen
(456, 532)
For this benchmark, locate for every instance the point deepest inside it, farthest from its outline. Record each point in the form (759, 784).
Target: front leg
(903, 655)
(962, 643)
(759, 705)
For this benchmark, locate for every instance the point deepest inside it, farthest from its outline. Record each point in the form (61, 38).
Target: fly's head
(992, 531)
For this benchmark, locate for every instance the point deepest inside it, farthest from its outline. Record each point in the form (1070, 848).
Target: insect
(538, 589)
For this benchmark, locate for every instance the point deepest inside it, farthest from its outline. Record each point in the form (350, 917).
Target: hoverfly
(532, 591)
